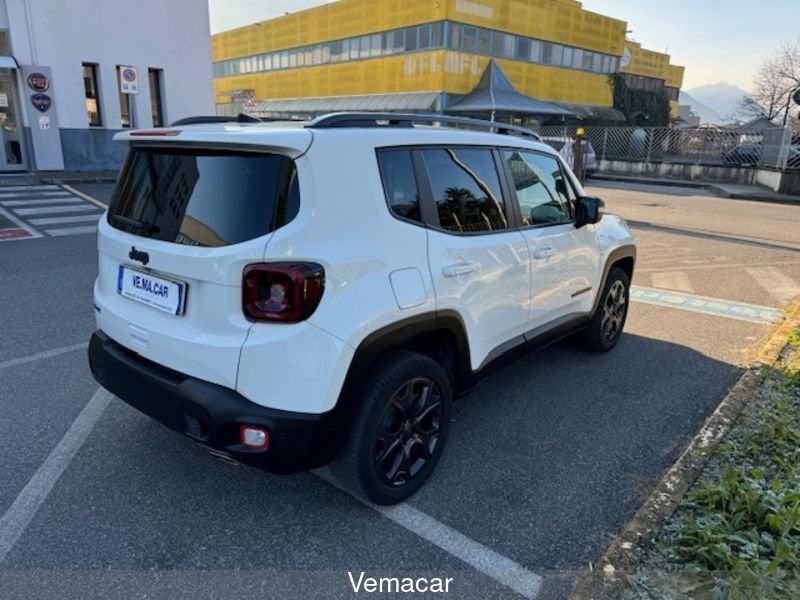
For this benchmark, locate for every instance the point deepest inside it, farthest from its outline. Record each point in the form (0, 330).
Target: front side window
(542, 190)
(90, 88)
(466, 189)
(400, 183)
(201, 197)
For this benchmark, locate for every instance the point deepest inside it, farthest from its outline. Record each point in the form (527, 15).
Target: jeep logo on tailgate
(142, 257)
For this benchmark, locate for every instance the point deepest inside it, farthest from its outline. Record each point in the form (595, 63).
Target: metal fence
(776, 148)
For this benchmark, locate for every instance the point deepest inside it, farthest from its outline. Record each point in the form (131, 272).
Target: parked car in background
(749, 155)
(565, 146)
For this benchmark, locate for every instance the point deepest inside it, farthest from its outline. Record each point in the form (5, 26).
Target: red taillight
(282, 292)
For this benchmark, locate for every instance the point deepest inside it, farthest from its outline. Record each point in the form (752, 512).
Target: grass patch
(736, 534)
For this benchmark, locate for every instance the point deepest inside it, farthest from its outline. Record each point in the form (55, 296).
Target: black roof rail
(375, 119)
(240, 118)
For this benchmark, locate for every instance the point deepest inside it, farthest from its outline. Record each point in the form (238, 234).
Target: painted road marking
(68, 219)
(776, 283)
(672, 280)
(34, 194)
(62, 232)
(709, 306)
(15, 362)
(28, 188)
(21, 224)
(485, 560)
(42, 210)
(85, 196)
(66, 199)
(14, 233)
(20, 514)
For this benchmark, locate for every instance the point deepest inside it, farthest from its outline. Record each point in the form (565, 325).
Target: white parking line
(764, 315)
(15, 362)
(19, 515)
(485, 560)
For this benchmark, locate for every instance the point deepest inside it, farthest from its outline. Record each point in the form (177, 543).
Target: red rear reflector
(254, 437)
(156, 132)
(282, 292)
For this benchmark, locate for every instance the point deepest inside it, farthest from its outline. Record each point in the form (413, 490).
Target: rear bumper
(211, 414)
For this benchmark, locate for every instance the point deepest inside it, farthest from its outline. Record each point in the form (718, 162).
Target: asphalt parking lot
(546, 461)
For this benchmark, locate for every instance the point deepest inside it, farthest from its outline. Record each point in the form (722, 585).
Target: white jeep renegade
(291, 294)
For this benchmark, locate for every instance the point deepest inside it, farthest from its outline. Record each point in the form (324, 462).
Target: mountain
(706, 113)
(722, 99)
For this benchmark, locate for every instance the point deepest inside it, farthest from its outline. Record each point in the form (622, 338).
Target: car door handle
(460, 269)
(545, 252)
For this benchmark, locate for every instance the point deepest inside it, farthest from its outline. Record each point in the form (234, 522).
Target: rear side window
(466, 189)
(542, 190)
(204, 197)
(400, 183)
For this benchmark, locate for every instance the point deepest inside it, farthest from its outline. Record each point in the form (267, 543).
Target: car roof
(298, 135)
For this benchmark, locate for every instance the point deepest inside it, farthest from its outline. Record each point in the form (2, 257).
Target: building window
(125, 104)
(156, 108)
(91, 88)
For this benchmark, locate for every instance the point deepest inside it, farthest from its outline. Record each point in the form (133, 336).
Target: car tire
(400, 428)
(604, 330)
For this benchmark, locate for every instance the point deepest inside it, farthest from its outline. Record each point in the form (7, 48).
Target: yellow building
(420, 55)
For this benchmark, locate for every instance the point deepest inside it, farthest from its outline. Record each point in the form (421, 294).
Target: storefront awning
(8, 62)
(589, 112)
(412, 102)
(496, 94)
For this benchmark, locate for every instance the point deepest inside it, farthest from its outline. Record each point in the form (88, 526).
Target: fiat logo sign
(38, 82)
(41, 102)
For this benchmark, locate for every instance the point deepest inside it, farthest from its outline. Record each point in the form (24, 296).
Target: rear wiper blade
(140, 225)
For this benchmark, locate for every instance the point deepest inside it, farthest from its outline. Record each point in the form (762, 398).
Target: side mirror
(588, 210)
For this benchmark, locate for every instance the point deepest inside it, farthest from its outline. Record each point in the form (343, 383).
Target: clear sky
(717, 40)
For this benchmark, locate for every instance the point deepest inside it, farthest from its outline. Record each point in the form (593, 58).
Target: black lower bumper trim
(212, 414)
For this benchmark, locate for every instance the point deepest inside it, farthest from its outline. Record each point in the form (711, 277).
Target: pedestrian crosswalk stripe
(23, 212)
(776, 283)
(28, 188)
(71, 231)
(37, 201)
(34, 193)
(672, 280)
(69, 219)
(709, 306)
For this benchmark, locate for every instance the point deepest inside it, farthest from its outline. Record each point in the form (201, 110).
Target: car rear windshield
(203, 197)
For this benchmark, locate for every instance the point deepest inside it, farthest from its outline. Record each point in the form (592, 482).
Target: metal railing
(777, 148)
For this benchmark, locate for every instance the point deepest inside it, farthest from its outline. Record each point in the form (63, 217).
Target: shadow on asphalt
(547, 460)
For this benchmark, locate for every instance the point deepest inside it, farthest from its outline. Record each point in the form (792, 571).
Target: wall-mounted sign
(44, 122)
(41, 102)
(38, 82)
(3, 100)
(128, 80)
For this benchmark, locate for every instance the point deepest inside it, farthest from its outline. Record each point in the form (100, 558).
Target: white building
(61, 67)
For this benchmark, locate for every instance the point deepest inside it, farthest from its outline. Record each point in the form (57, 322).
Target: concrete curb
(606, 579)
(716, 189)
